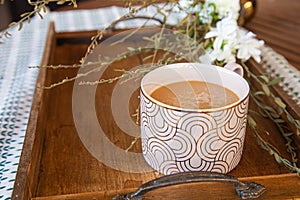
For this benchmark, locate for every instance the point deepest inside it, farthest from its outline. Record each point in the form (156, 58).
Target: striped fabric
(17, 82)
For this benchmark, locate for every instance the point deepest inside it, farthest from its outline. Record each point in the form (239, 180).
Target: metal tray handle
(247, 190)
(112, 27)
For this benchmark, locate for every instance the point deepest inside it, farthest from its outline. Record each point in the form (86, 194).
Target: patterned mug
(176, 139)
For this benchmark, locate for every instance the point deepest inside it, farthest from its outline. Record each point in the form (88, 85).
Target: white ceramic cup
(178, 139)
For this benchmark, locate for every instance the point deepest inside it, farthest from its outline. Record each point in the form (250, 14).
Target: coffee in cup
(193, 118)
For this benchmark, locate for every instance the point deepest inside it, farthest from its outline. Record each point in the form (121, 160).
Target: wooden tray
(55, 164)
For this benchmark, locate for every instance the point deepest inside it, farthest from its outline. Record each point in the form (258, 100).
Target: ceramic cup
(178, 139)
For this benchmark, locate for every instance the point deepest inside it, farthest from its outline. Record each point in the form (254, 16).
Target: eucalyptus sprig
(266, 110)
(271, 149)
(276, 114)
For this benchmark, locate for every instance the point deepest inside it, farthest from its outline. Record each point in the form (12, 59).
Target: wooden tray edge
(273, 190)
(27, 173)
(24, 187)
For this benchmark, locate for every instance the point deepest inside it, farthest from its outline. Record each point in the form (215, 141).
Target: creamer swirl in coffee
(194, 95)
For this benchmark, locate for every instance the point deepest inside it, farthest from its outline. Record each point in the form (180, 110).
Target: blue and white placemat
(17, 82)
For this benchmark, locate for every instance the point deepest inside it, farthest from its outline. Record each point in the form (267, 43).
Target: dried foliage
(190, 26)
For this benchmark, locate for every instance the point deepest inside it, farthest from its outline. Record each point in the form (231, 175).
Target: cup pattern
(176, 141)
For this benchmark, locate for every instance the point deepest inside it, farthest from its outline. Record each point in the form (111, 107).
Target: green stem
(290, 149)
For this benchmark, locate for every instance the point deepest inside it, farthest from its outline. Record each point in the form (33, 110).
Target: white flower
(231, 42)
(226, 7)
(226, 54)
(225, 31)
(248, 46)
(224, 34)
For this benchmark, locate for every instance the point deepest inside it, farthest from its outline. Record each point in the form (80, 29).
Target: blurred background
(275, 21)
(11, 10)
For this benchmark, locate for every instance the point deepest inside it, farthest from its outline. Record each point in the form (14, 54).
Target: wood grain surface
(201, 191)
(65, 167)
(56, 165)
(278, 23)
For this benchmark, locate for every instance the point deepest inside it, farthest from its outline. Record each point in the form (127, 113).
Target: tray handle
(247, 190)
(112, 27)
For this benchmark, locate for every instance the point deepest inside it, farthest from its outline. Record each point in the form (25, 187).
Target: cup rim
(197, 110)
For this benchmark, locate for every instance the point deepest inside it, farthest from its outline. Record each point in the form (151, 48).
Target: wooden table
(278, 23)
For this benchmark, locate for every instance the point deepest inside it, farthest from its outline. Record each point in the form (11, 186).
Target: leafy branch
(271, 149)
(275, 114)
